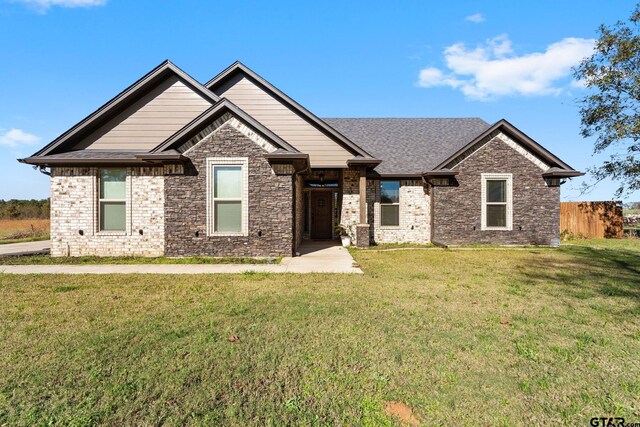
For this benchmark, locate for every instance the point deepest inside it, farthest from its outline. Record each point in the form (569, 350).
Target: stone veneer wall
(415, 218)
(74, 207)
(350, 208)
(299, 215)
(536, 207)
(270, 201)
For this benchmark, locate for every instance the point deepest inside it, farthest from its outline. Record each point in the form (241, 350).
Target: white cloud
(16, 137)
(493, 69)
(476, 18)
(44, 5)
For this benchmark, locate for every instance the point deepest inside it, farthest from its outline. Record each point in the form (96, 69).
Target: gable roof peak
(122, 100)
(236, 65)
(522, 138)
(286, 100)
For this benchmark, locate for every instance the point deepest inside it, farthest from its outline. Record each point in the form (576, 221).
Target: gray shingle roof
(101, 156)
(96, 154)
(408, 146)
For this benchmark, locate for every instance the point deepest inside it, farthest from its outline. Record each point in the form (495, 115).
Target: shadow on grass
(589, 272)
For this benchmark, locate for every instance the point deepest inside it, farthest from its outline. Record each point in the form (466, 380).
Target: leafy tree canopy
(611, 110)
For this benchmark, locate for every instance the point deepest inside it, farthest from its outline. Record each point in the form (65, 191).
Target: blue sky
(62, 59)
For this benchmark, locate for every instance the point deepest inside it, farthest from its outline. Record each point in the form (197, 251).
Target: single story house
(236, 167)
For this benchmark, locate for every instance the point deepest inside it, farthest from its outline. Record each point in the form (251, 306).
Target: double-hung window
(112, 209)
(496, 202)
(389, 203)
(228, 211)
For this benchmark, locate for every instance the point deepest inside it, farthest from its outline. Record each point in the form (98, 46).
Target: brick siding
(536, 207)
(270, 198)
(74, 210)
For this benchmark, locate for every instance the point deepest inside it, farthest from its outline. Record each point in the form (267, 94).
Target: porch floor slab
(322, 257)
(315, 257)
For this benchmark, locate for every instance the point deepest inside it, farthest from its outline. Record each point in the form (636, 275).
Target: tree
(611, 109)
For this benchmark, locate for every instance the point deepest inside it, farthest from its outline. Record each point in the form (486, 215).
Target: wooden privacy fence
(592, 219)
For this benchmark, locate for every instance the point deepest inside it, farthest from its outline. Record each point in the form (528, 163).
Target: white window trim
(243, 162)
(385, 226)
(483, 199)
(126, 200)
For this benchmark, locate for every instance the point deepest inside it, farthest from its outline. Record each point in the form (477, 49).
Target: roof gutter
(562, 174)
(286, 156)
(163, 158)
(140, 160)
(439, 173)
(364, 161)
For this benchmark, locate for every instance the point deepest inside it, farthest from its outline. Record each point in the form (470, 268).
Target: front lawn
(480, 337)
(626, 244)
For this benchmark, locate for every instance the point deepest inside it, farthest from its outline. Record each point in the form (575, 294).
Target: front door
(321, 208)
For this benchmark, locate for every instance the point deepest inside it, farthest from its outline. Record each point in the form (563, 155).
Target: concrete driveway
(25, 248)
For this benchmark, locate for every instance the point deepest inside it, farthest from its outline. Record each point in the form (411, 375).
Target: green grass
(630, 244)
(47, 260)
(482, 337)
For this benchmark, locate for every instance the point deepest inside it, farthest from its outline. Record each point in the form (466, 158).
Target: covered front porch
(328, 197)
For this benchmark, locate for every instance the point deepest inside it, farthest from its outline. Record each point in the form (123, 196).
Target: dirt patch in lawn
(401, 411)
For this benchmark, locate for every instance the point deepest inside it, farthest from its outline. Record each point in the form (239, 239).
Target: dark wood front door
(321, 208)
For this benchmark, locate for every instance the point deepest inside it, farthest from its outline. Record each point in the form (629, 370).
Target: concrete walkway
(25, 248)
(316, 257)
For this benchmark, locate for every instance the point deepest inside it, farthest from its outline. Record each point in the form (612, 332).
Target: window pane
(496, 216)
(228, 216)
(113, 216)
(389, 215)
(389, 191)
(112, 183)
(496, 191)
(228, 181)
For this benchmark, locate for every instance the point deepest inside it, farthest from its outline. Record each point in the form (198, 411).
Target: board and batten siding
(287, 124)
(149, 121)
